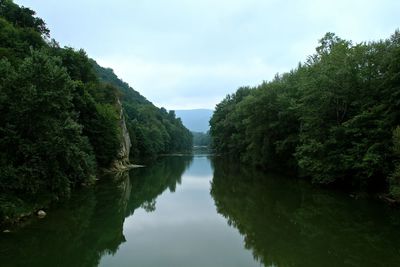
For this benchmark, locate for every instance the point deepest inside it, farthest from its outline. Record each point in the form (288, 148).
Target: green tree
(330, 119)
(42, 148)
(395, 176)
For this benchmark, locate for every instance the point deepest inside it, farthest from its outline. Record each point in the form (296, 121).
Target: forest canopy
(334, 118)
(60, 117)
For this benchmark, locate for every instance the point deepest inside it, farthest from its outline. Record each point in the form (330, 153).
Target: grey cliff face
(123, 155)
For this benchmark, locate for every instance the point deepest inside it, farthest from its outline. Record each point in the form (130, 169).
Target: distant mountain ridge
(196, 120)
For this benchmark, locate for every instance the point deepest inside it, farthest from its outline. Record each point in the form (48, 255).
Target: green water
(204, 211)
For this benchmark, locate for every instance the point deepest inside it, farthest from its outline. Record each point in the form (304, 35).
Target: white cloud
(182, 53)
(179, 85)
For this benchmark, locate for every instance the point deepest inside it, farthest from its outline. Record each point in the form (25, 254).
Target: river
(205, 211)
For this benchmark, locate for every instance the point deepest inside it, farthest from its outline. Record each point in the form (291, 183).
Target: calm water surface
(204, 211)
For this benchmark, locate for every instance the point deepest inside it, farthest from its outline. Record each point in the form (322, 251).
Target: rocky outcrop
(122, 160)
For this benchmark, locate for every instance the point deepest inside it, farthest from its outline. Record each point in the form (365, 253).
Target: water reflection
(183, 230)
(163, 215)
(149, 183)
(289, 223)
(90, 225)
(78, 233)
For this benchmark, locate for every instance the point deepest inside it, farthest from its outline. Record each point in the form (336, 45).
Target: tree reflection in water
(90, 225)
(286, 222)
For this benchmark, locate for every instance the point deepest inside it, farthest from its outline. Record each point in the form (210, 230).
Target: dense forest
(61, 116)
(201, 139)
(152, 130)
(335, 118)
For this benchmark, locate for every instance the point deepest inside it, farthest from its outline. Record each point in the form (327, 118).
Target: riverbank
(16, 211)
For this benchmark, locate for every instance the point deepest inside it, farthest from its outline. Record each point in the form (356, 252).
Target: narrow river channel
(203, 211)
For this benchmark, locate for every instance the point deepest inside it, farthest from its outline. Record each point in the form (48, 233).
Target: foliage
(59, 122)
(42, 148)
(201, 139)
(331, 118)
(152, 130)
(395, 176)
(22, 17)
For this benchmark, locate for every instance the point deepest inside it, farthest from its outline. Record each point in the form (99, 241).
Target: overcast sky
(190, 54)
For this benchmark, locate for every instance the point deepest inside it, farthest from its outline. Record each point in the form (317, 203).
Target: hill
(64, 118)
(152, 130)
